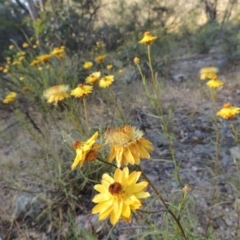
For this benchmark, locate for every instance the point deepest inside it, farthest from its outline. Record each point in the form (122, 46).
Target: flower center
(226, 105)
(115, 188)
(76, 144)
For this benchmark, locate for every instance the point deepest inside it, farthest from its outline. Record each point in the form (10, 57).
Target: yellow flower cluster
(211, 74)
(10, 97)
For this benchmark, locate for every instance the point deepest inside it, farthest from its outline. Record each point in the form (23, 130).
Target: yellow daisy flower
(40, 68)
(136, 60)
(119, 195)
(11, 97)
(81, 91)
(6, 69)
(19, 54)
(100, 59)
(93, 78)
(208, 73)
(25, 45)
(87, 65)
(8, 59)
(16, 62)
(120, 71)
(228, 111)
(44, 58)
(11, 47)
(35, 62)
(21, 78)
(56, 93)
(106, 81)
(58, 52)
(214, 83)
(109, 67)
(85, 151)
(127, 145)
(35, 46)
(21, 58)
(148, 39)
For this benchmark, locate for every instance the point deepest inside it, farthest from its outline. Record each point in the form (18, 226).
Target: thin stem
(164, 203)
(85, 113)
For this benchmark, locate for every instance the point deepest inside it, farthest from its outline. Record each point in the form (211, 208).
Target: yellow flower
(81, 91)
(228, 111)
(148, 39)
(58, 52)
(106, 81)
(21, 54)
(1, 68)
(136, 60)
(214, 83)
(44, 58)
(56, 93)
(87, 65)
(208, 73)
(119, 195)
(25, 89)
(35, 46)
(35, 62)
(25, 45)
(11, 47)
(6, 69)
(85, 151)
(16, 62)
(100, 59)
(21, 58)
(127, 145)
(10, 98)
(109, 67)
(120, 71)
(8, 59)
(37, 42)
(40, 68)
(93, 78)
(21, 78)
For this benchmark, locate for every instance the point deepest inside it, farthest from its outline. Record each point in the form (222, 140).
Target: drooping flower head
(119, 195)
(106, 81)
(136, 60)
(214, 83)
(56, 93)
(93, 78)
(85, 151)
(87, 65)
(147, 39)
(100, 59)
(228, 111)
(11, 97)
(127, 145)
(208, 73)
(81, 91)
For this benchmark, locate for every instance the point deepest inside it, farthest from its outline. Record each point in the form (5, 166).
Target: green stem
(85, 112)
(164, 203)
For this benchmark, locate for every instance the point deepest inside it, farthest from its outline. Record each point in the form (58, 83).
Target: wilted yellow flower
(148, 39)
(44, 58)
(11, 47)
(87, 65)
(106, 81)
(208, 73)
(10, 97)
(81, 91)
(21, 78)
(56, 93)
(228, 111)
(93, 78)
(136, 60)
(214, 83)
(25, 89)
(100, 59)
(119, 195)
(25, 45)
(109, 67)
(127, 145)
(58, 52)
(85, 151)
